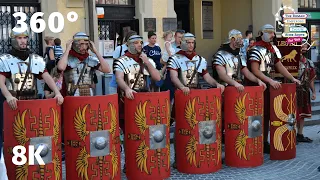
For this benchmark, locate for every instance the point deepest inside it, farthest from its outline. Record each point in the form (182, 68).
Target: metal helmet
(76, 38)
(265, 32)
(185, 38)
(14, 42)
(237, 35)
(130, 43)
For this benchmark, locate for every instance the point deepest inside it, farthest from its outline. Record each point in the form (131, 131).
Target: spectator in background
(58, 51)
(245, 46)
(57, 77)
(49, 54)
(177, 40)
(118, 52)
(169, 50)
(154, 52)
(251, 42)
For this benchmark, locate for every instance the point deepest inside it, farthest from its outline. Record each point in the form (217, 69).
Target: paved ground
(304, 166)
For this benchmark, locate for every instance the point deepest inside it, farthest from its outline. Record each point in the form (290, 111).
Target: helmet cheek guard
(13, 40)
(132, 39)
(76, 38)
(184, 43)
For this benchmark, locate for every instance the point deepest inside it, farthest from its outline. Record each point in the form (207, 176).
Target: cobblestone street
(304, 166)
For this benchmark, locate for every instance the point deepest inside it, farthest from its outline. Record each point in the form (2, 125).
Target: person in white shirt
(177, 40)
(3, 170)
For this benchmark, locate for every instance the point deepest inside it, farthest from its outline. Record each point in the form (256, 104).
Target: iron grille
(106, 30)
(7, 22)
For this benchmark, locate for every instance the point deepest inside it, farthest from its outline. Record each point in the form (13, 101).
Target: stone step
(315, 110)
(314, 120)
(315, 103)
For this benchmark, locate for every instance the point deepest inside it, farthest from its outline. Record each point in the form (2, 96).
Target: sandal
(301, 138)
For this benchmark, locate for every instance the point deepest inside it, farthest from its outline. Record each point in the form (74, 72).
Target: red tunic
(303, 91)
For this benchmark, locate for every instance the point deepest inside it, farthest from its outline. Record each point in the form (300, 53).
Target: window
(115, 2)
(309, 3)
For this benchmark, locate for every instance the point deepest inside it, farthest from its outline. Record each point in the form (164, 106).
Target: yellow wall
(158, 9)
(206, 47)
(49, 6)
(262, 13)
(235, 15)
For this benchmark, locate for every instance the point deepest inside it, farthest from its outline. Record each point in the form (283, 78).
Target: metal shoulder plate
(257, 53)
(222, 58)
(153, 64)
(14, 65)
(175, 61)
(38, 64)
(126, 65)
(5, 61)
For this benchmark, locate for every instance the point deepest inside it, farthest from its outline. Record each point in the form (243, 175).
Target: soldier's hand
(313, 97)
(59, 99)
(12, 101)
(144, 57)
(93, 47)
(239, 87)
(129, 93)
(296, 81)
(275, 84)
(185, 90)
(221, 87)
(260, 83)
(69, 44)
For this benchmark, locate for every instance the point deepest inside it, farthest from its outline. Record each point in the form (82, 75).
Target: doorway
(182, 9)
(314, 34)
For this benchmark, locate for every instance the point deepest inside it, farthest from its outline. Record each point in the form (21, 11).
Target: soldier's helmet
(14, 42)
(76, 38)
(130, 43)
(185, 38)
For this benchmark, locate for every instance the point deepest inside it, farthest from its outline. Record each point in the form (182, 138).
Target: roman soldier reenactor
(263, 60)
(307, 75)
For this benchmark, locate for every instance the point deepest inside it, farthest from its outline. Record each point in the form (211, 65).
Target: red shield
(147, 143)
(282, 122)
(34, 122)
(198, 131)
(243, 115)
(91, 135)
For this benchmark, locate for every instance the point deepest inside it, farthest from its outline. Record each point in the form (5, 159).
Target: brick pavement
(304, 166)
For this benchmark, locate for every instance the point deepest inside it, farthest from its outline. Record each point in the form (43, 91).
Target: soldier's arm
(210, 79)
(245, 71)
(63, 62)
(155, 74)
(104, 66)
(3, 87)
(256, 71)
(224, 77)
(175, 80)
(282, 70)
(120, 81)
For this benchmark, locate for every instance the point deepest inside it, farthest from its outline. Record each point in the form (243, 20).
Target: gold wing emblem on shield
(19, 128)
(190, 113)
(168, 112)
(22, 172)
(113, 119)
(240, 145)
(141, 157)
(240, 109)
(277, 137)
(82, 164)
(80, 123)
(56, 126)
(114, 160)
(191, 151)
(219, 147)
(57, 167)
(218, 112)
(140, 117)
